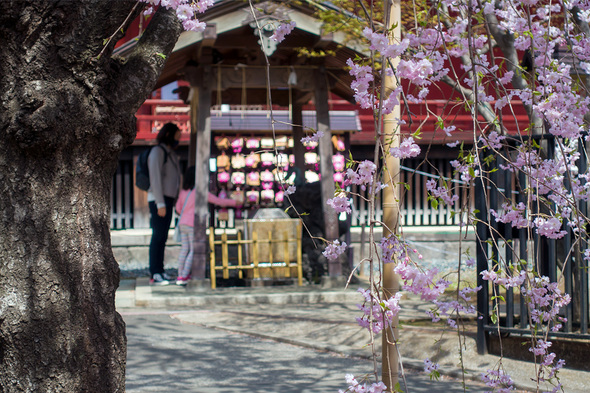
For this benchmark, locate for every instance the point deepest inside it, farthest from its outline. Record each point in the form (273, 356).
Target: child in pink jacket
(186, 223)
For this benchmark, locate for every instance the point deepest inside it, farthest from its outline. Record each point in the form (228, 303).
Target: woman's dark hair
(188, 182)
(166, 134)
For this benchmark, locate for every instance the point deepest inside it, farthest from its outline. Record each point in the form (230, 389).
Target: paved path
(305, 320)
(167, 355)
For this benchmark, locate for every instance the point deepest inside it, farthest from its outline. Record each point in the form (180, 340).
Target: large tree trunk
(64, 118)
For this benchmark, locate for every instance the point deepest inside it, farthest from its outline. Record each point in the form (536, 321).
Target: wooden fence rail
(257, 264)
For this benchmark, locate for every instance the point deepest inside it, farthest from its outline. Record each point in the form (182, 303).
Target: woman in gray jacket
(164, 172)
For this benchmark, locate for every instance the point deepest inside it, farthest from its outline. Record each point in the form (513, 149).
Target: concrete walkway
(324, 319)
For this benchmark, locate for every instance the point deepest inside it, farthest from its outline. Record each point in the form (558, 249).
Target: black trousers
(160, 227)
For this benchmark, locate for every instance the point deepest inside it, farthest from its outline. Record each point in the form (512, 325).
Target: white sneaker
(159, 280)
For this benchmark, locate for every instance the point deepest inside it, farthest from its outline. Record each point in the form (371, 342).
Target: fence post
(212, 257)
(240, 254)
(255, 254)
(224, 255)
(482, 264)
(299, 256)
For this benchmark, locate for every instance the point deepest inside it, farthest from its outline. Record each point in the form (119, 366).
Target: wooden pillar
(203, 152)
(194, 105)
(326, 166)
(298, 148)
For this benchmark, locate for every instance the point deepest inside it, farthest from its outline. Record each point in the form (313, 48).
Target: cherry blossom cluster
(454, 307)
(341, 204)
(549, 227)
(513, 215)
(356, 387)
(282, 30)
(441, 193)
(377, 314)
(432, 369)
(424, 66)
(290, 190)
(504, 279)
(498, 380)
(185, 11)
(549, 368)
(393, 249)
(420, 282)
(334, 249)
(363, 175)
(362, 84)
(429, 366)
(315, 137)
(545, 226)
(467, 169)
(493, 140)
(545, 300)
(407, 149)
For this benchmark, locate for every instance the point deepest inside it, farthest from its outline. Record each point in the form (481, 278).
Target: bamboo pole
(390, 283)
(286, 254)
(255, 254)
(240, 273)
(224, 255)
(212, 257)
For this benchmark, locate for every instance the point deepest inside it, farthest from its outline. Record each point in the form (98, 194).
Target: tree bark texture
(65, 115)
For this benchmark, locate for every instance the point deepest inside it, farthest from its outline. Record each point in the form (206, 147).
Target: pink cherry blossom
(441, 193)
(549, 227)
(340, 204)
(513, 215)
(377, 314)
(194, 25)
(315, 137)
(406, 149)
(429, 366)
(362, 176)
(290, 190)
(334, 249)
(282, 30)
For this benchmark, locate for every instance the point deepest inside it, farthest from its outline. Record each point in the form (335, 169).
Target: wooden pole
(390, 284)
(326, 168)
(194, 112)
(298, 148)
(202, 172)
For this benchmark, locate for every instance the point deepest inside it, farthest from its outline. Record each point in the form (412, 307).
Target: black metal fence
(501, 244)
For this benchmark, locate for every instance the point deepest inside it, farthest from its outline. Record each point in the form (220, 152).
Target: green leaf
(499, 297)
(439, 122)
(163, 56)
(434, 203)
(434, 375)
(494, 318)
